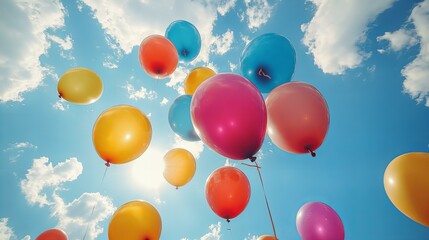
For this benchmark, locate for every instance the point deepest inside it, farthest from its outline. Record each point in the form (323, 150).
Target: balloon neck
(308, 148)
(107, 164)
(60, 95)
(184, 52)
(252, 159)
(263, 74)
(177, 188)
(228, 220)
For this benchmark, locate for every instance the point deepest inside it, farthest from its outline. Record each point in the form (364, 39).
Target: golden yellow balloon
(266, 237)
(135, 220)
(80, 85)
(179, 166)
(196, 77)
(121, 134)
(406, 182)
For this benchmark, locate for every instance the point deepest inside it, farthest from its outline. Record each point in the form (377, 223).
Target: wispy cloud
(164, 101)
(225, 5)
(17, 149)
(223, 43)
(142, 93)
(214, 233)
(398, 40)
(257, 13)
(60, 105)
(6, 232)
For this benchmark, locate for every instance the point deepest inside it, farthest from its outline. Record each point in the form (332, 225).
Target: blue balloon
(179, 117)
(186, 38)
(268, 61)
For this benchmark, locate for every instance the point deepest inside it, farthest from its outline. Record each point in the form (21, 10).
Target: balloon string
(262, 73)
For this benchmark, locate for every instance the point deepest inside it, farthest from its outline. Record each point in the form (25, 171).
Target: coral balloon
(266, 237)
(158, 56)
(80, 85)
(406, 183)
(268, 61)
(298, 117)
(229, 115)
(227, 192)
(196, 77)
(179, 166)
(185, 38)
(53, 234)
(179, 118)
(135, 220)
(318, 221)
(121, 134)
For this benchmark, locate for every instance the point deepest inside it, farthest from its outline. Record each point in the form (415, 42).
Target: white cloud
(142, 93)
(253, 237)
(60, 105)
(6, 232)
(27, 237)
(65, 44)
(196, 148)
(177, 79)
(20, 146)
(232, 66)
(399, 39)
(258, 12)
(337, 28)
(214, 233)
(223, 43)
(164, 101)
(245, 39)
(225, 5)
(27, 22)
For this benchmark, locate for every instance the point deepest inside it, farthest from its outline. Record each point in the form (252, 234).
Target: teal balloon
(179, 117)
(185, 38)
(268, 61)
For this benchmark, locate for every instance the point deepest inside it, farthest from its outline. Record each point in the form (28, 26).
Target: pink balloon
(298, 117)
(229, 115)
(318, 221)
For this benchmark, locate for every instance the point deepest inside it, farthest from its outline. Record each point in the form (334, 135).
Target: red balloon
(227, 192)
(158, 56)
(298, 117)
(229, 115)
(53, 234)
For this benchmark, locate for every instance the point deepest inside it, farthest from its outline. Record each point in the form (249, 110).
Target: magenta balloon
(318, 221)
(229, 115)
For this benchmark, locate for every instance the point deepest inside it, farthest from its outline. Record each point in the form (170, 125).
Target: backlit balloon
(135, 220)
(179, 118)
(121, 134)
(298, 117)
(179, 166)
(80, 85)
(185, 38)
(406, 183)
(53, 234)
(196, 77)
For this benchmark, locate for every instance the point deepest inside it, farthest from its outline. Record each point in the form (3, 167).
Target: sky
(369, 59)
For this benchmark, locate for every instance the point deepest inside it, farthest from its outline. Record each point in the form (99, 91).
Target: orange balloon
(53, 234)
(179, 166)
(121, 134)
(158, 56)
(227, 192)
(196, 77)
(135, 220)
(406, 183)
(266, 237)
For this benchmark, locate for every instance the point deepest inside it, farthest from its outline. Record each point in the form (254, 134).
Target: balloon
(406, 183)
(158, 56)
(298, 117)
(229, 115)
(80, 85)
(318, 221)
(135, 220)
(196, 77)
(266, 237)
(53, 234)
(179, 117)
(121, 134)
(185, 38)
(268, 61)
(179, 166)
(227, 192)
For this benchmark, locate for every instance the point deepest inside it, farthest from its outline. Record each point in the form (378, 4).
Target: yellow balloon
(179, 166)
(80, 85)
(266, 237)
(406, 182)
(121, 134)
(196, 77)
(135, 220)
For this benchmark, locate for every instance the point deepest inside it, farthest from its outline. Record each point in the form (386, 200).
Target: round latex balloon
(318, 221)
(158, 56)
(229, 115)
(80, 85)
(298, 117)
(135, 220)
(406, 183)
(227, 192)
(121, 134)
(53, 234)
(179, 167)
(268, 61)
(179, 118)
(185, 38)
(196, 77)
(266, 237)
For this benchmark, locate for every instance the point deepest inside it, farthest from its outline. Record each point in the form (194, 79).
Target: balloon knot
(184, 52)
(177, 188)
(262, 73)
(252, 159)
(60, 95)
(107, 164)
(228, 220)
(308, 148)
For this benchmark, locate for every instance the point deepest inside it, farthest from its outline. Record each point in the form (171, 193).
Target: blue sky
(370, 60)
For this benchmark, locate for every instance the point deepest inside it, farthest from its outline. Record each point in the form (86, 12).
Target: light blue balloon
(268, 61)
(185, 38)
(179, 117)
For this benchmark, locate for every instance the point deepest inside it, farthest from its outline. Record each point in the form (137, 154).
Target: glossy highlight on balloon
(179, 166)
(179, 118)
(196, 77)
(186, 38)
(268, 61)
(227, 192)
(158, 56)
(229, 115)
(135, 220)
(80, 86)
(53, 234)
(121, 134)
(406, 183)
